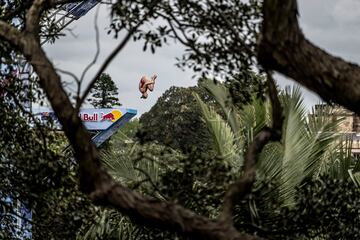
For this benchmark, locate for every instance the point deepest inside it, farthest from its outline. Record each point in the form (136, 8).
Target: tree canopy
(104, 93)
(222, 38)
(175, 120)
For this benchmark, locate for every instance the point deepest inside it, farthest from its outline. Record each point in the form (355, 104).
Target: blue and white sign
(93, 119)
(80, 9)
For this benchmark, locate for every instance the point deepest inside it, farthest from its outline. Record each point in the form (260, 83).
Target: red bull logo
(93, 119)
(89, 117)
(101, 116)
(112, 116)
(108, 117)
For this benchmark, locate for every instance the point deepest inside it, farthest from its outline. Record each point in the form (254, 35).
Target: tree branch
(10, 34)
(112, 56)
(33, 17)
(94, 180)
(11, 14)
(232, 28)
(97, 40)
(283, 47)
(243, 187)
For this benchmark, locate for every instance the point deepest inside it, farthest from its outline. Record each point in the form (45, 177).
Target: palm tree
(302, 153)
(309, 147)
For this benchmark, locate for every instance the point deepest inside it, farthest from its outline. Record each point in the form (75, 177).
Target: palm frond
(108, 224)
(120, 166)
(222, 96)
(223, 137)
(303, 149)
(254, 117)
(341, 160)
(355, 177)
(269, 165)
(133, 165)
(296, 151)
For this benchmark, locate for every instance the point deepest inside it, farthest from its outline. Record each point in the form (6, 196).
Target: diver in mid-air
(146, 84)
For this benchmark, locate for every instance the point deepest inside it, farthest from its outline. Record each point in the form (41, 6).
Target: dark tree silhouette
(104, 93)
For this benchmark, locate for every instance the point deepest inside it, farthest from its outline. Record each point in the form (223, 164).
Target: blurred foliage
(199, 183)
(36, 175)
(125, 134)
(13, 12)
(246, 85)
(325, 208)
(140, 167)
(219, 36)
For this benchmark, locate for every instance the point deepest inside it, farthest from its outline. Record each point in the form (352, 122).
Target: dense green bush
(325, 208)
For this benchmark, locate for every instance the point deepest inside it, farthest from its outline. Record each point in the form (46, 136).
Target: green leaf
(223, 137)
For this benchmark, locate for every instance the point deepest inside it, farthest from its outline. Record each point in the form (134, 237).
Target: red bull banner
(93, 119)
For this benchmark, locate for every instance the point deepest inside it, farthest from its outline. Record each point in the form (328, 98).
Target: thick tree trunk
(283, 47)
(94, 180)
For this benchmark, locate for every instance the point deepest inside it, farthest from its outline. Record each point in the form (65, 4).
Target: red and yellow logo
(113, 116)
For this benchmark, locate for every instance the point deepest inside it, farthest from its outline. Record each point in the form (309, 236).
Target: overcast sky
(331, 24)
